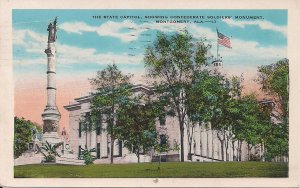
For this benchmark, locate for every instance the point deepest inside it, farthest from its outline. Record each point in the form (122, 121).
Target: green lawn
(147, 170)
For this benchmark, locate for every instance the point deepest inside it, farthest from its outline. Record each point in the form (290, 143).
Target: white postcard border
(7, 93)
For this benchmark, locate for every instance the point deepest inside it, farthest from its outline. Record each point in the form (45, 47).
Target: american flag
(224, 40)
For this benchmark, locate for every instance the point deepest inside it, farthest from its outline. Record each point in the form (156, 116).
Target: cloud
(69, 55)
(77, 27)
(126, 30)
(263, 24)
(115, 29)
(110, 28)
(31, 61)
(243, 55)
(250, 52)
(30, 40)
(35, 43)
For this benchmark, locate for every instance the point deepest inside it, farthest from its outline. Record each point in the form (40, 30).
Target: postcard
(149, 94)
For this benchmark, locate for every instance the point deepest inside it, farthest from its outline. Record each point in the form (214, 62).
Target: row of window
(163, 142)
(98, 150)
(217, 64)
(98, 129)
(162, 122)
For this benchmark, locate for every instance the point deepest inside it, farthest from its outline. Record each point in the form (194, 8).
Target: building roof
(76, 104)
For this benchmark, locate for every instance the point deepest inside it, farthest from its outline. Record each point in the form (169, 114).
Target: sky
(85, 44)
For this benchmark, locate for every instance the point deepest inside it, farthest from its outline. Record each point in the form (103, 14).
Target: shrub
(87, 156)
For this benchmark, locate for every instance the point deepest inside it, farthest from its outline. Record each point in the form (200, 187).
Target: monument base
(51, 138)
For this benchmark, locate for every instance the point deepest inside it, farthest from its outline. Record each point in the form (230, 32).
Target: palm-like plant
(87, 155)
(49, 151)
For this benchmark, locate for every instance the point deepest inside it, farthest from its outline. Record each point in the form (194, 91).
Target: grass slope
(147, 170)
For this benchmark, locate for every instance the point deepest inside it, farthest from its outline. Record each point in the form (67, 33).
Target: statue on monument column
(52, 31)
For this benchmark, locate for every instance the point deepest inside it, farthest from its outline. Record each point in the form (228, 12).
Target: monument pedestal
(51, 138)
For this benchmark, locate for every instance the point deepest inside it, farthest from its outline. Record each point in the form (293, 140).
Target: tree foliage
(135, 125)
(209, 101)
(274, 80)
(172, 60)
(24, 131)
(112, 87)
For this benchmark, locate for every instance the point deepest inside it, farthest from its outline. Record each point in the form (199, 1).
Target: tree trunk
(226, 150)
(249, 158)
(96, 142)
(222, 149)
(111, 149)
(212, 145)
(159, 160)
(207, 144)
(190, 140)
(181, 141)
(233, 157)
(138, 155)
(112, 121)
(237, 151)
(240, 150)
(263, 152)
(222, 145)
(200, 143)
(85, 139)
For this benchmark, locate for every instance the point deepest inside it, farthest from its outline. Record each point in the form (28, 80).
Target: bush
(254, 157)
(49, 151)
(87, 156)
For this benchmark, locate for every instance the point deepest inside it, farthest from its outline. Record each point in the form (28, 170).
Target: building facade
(200, 142)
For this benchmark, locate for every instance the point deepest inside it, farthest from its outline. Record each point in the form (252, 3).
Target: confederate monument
(51, 115)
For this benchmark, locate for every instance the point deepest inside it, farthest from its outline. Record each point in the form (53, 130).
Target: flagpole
(217, 44)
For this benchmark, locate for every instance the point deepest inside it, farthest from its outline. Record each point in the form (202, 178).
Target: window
(162, 120)
(98, 130)
(79, 129)
(98, 150)
(87, 114)
(98, 127)
(108, 148)
(79, 151)
(163, 139)
(120, 148)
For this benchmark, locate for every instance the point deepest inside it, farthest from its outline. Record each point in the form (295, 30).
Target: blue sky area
(85, 45)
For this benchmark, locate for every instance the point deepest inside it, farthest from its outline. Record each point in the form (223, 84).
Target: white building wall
(73, 131)
(205, 143)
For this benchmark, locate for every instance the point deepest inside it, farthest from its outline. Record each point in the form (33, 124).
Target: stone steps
(28, 160)
(69, 161)
(129, 158)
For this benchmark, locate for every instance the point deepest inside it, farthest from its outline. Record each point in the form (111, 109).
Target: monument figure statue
(52, 31)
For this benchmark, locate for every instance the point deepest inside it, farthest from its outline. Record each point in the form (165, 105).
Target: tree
(135, 125)
(162, 146)
(233, 112)
(87, 125)
(274, 80)
(251, 122)
(24, 131)
(172, 60)
(112, 87)
(208, 101)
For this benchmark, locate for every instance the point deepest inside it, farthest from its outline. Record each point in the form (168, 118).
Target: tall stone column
(51, 115)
